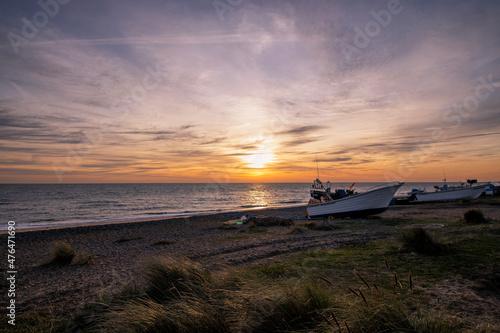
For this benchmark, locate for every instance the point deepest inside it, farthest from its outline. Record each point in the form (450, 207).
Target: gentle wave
(47, 205)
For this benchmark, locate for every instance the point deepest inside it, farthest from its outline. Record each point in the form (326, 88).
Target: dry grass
(298, 230)
(83, 258)
(169, 278)
(287, 294)
(144, 315)
(420, 241)
(180, 296)
(474, 216)
(62, 253)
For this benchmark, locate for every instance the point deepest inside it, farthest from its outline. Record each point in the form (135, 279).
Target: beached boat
(491, 189)
(344, 203)
(449, 193)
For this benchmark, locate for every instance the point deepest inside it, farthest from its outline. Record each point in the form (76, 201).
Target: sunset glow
(261, 156)
(182, 91)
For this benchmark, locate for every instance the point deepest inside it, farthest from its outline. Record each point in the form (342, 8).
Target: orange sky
(182, 92)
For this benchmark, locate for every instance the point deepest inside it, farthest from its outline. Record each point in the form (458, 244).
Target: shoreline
(147, 219)
(119, 251)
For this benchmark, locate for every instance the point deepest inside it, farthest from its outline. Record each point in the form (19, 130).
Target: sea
(48, 205)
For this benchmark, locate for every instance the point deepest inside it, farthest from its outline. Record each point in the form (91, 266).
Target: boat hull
(362, 204)
(470, 193)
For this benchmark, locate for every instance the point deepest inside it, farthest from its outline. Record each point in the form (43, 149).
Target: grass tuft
(84, 258)
(420, 241)
(42, 320)
(62, 253)
(298, 308)
(298, 230)
(474, 216)
(145, 315)
(389, 310)
(170, 278)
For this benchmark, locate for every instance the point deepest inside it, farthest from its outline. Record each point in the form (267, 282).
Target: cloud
(214, 141)
(182, 88)
(298, 142)
(301, 130)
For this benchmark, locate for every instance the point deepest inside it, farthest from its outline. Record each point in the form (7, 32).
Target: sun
(260, 157)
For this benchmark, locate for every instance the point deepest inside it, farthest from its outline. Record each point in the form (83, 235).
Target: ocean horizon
(53, 205)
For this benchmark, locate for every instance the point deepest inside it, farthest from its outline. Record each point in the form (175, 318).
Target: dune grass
(386, 285)
(169, 278)
(42, 321)
(62, 253)
(311, 303)
(420, 241)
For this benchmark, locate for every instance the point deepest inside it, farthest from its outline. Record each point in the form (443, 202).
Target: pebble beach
(118, 251)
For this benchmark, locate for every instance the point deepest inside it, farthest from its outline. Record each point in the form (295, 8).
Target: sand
(119, 250)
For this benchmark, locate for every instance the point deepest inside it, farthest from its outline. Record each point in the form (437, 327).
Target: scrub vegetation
(421, 276)
(401, 285)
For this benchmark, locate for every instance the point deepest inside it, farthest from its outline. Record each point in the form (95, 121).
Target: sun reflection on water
(259, 196)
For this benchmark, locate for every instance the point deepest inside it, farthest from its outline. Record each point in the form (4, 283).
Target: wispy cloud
(166, 88)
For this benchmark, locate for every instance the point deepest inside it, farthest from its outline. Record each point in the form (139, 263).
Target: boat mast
(317, 165)
(317, 170)
(444, 175)
(445, 186)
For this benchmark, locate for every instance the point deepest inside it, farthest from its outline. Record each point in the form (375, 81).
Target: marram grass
(62, 253)
(145, 315)
(181, 296)
(169, 278)
(420, 241)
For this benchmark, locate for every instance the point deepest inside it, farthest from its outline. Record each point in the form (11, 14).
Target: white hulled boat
(450, 193)
(344, 203)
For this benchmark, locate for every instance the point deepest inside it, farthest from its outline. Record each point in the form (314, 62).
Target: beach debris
(267, 221)
(310, 225)
(243, 220)
(260, 221)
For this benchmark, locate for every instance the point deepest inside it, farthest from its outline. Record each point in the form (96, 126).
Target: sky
(249, 91)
